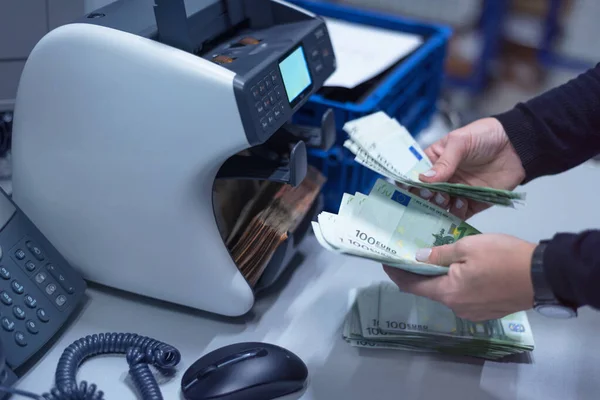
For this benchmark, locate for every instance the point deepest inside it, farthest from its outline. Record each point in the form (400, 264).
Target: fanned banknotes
(389, 226)
(382, 316)
(383, 145)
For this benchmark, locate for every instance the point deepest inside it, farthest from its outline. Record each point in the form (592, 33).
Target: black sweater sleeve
(558, 129)
(552, 133)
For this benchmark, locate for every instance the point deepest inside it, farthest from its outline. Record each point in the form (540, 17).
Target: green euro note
(381, 144)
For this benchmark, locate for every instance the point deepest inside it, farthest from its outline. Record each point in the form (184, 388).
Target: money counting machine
(128, 120)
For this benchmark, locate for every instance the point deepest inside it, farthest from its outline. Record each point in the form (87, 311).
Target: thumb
(439, 255)
(450, 158)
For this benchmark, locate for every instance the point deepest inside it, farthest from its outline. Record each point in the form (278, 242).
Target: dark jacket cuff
(522, 136)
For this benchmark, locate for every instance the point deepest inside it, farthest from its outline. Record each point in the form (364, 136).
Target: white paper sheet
(363, 52)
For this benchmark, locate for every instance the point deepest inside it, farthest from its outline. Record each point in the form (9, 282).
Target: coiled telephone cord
(140, 352)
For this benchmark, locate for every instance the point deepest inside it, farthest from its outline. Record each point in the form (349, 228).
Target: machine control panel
(276, 72)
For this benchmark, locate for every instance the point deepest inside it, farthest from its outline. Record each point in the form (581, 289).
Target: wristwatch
(544, 300)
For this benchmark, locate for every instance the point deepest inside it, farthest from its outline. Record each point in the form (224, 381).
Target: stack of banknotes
(388, 226)
(383, 317)
(381, 144)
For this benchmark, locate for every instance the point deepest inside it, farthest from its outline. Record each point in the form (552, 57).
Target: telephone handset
(39, 292)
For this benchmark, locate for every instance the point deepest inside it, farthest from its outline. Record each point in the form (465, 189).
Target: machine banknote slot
(285, 168)
(322, 137)
(263, 222)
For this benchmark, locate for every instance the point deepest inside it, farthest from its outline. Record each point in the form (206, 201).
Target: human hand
(478, 154)
(489, 276)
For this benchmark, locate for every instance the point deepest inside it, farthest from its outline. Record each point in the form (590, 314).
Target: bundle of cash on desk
(383, 317)
(381, 144)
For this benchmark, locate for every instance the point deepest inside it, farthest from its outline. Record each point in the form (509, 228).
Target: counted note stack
(383, 317)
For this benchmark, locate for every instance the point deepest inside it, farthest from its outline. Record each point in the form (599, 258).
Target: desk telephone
(39, 293)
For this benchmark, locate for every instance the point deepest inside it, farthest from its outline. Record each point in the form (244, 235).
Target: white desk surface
(307, 314)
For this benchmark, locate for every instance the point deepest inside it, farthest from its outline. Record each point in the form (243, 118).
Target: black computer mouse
(245, 371)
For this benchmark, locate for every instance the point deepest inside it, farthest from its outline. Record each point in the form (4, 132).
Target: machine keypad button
(20, 339)
(19, 312)
(62, 280)
(30, 301)
(272, 98)
(31, 327)
(278, 92)
(260, 108)
(5, 298)
(262, 88)
(274, 78)
(318, 67)
(264, 123)
(42, 315)
(17, 287)
(268, 83)
(325, 52)
(7, 324)
(20, 254)
(314, 54)
(270, 118)
(267, 103)
(30, 266)
(255, 92)
(277, 112)
(36, 251)
(282, 108)
(4, 273)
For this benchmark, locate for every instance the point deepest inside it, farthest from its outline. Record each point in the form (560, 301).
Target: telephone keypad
(7, 324)
(31, 327)
(6, 298)
(30, 301)
(19, 312)
(30, 315)
(20, 339)
(42, 315)
(17, 287)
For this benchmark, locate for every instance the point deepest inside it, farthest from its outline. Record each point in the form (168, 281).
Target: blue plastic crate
(409, 93)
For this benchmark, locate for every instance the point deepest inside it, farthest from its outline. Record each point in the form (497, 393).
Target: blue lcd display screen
(295, 75)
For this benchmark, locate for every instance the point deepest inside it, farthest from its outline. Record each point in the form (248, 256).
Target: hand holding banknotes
(489, 276)
(478, 154)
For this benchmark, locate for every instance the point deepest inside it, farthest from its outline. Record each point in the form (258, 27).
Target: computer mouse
(245, 371)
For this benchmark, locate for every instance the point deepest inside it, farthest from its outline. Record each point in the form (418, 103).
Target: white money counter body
(125, 119)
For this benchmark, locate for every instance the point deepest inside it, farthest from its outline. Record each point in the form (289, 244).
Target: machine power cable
(140, 352)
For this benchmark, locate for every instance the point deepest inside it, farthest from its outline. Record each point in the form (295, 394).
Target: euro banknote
(389, 225)
(383, 145)
(381, 316)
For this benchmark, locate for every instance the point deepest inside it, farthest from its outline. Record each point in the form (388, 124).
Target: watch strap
(543, 293)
